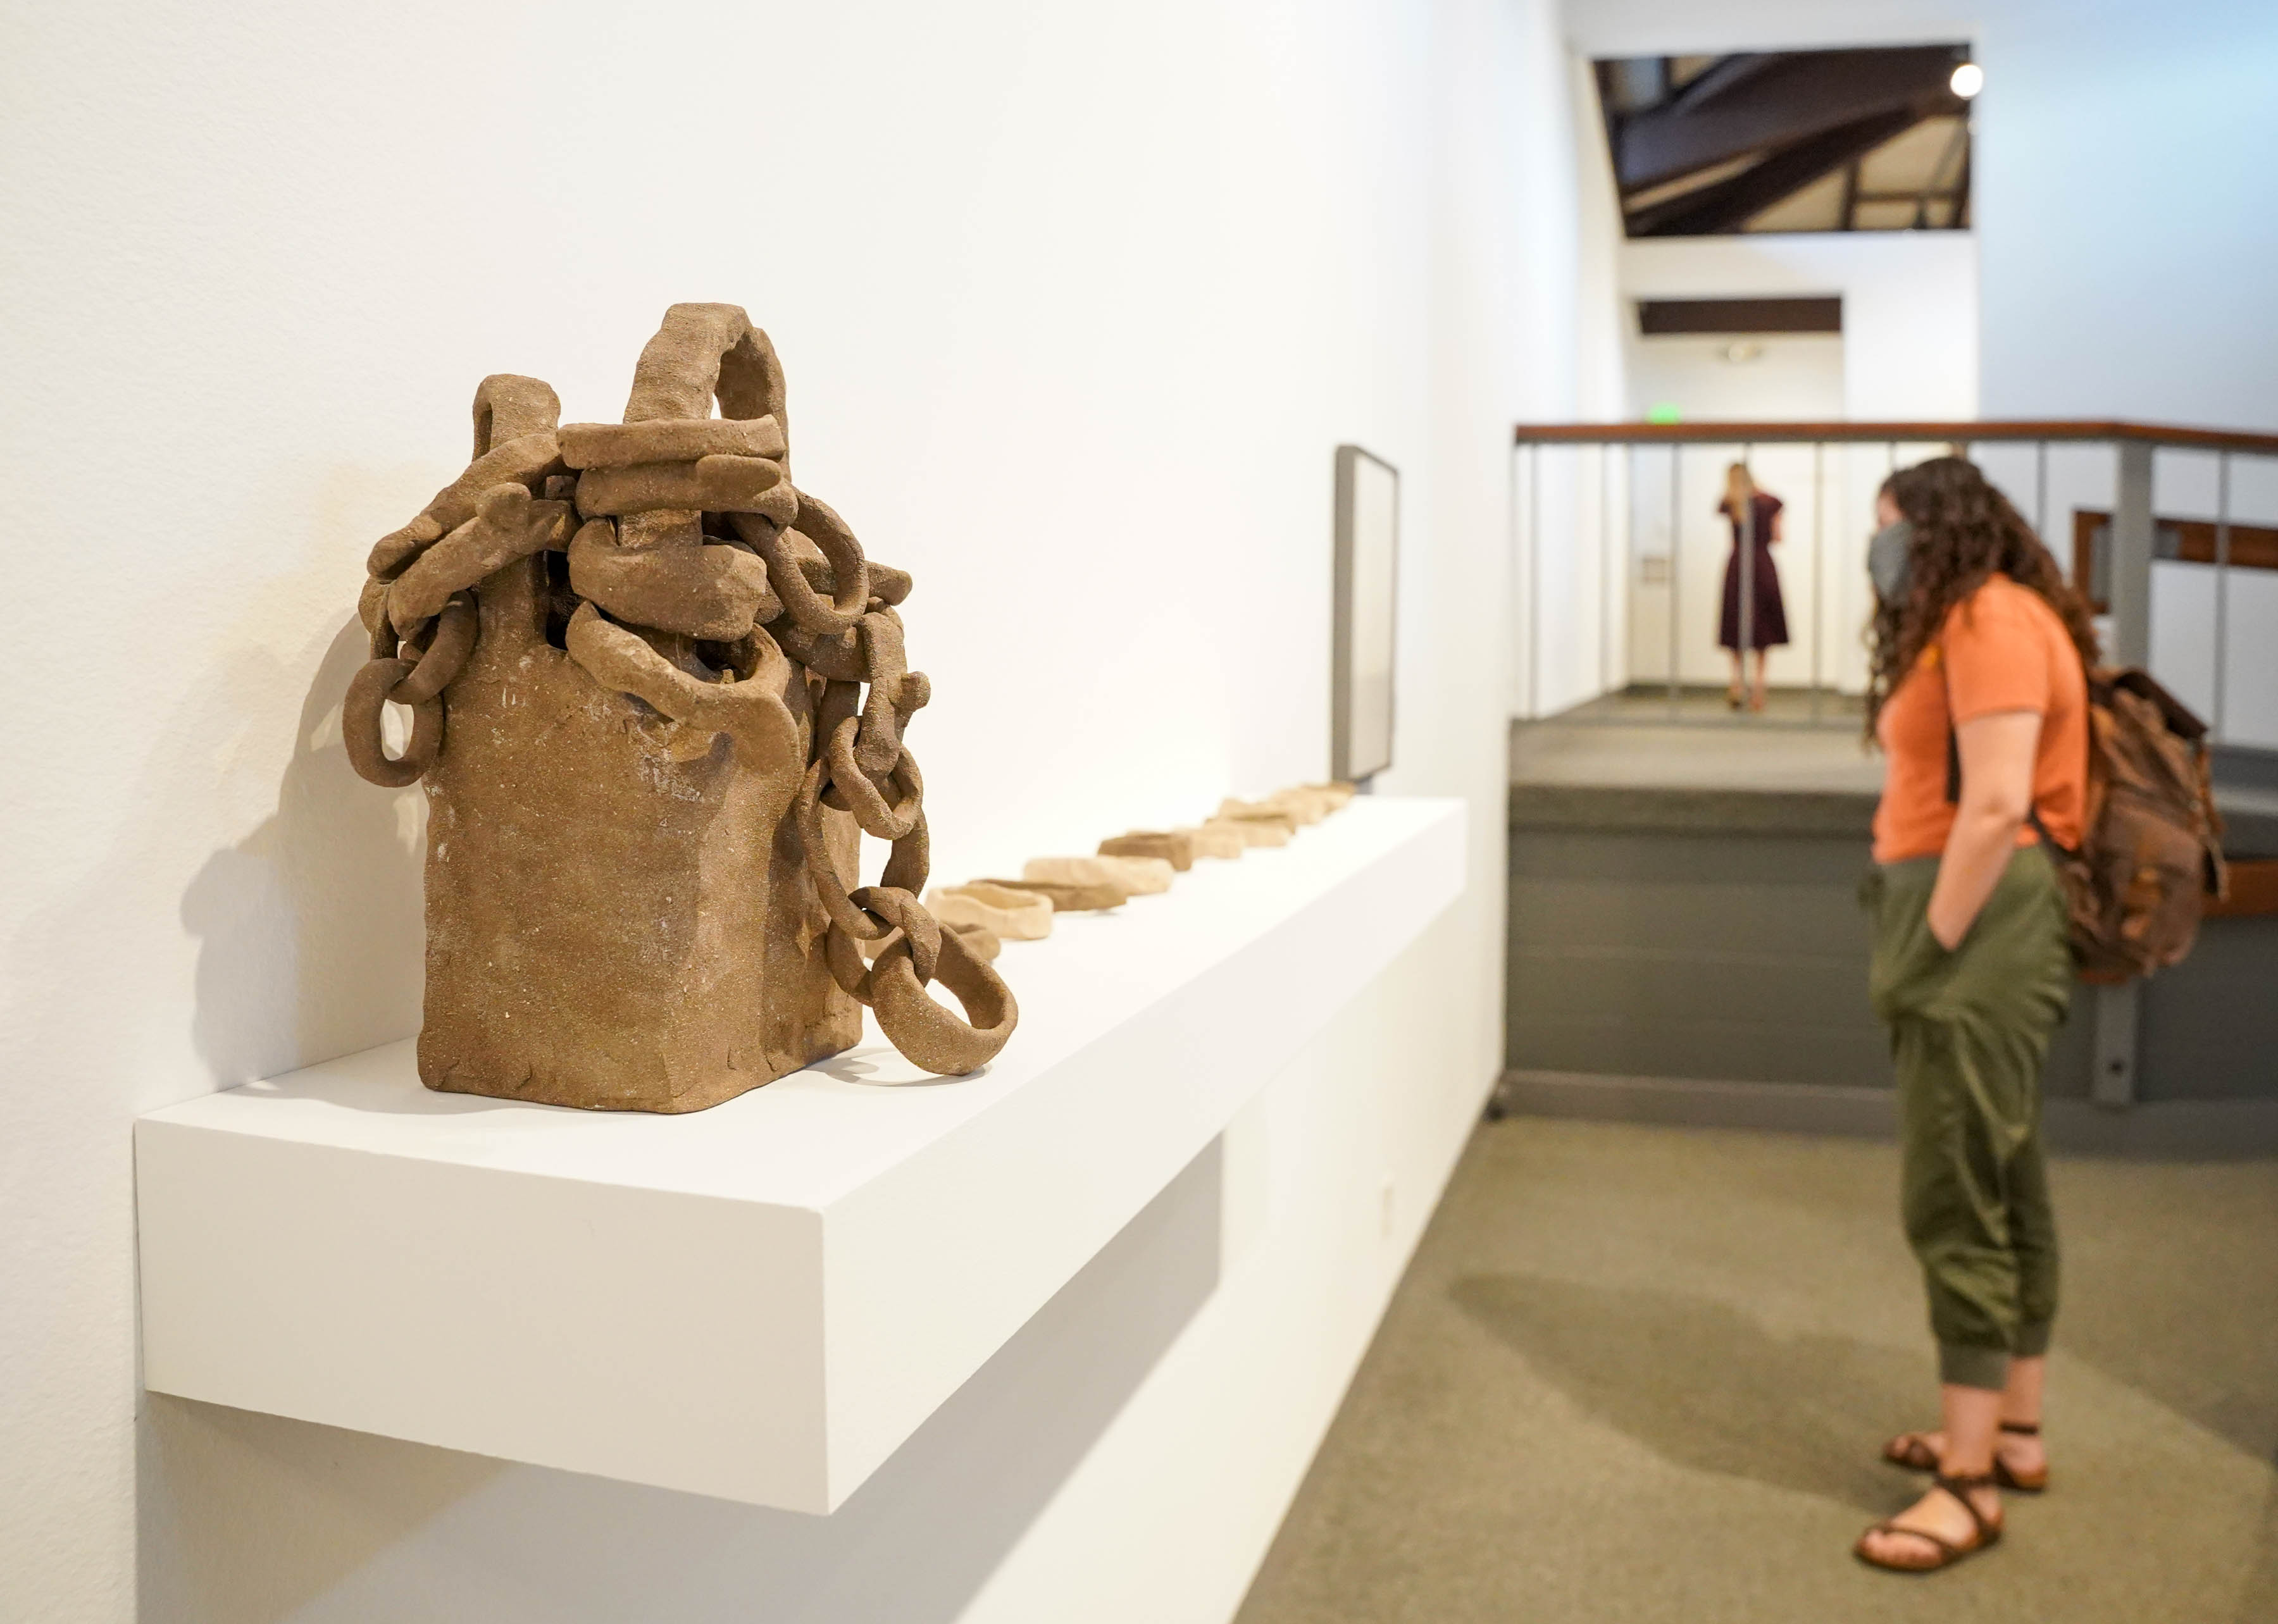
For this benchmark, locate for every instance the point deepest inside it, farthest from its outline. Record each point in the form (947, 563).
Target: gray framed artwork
(1361, 646)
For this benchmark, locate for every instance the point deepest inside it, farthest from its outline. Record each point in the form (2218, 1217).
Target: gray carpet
(1641, 1374)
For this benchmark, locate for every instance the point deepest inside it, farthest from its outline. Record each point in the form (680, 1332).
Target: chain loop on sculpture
(360, 726)
(418, 684)
(444, 655)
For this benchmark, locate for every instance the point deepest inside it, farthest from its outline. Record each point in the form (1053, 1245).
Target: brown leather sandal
(2035, 1483)
(1943, 1552)
(1912, 1451)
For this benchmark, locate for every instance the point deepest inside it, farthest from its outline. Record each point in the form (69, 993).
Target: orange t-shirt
(2001, 649)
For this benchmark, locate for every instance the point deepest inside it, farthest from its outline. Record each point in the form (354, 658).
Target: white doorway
(1679, 542)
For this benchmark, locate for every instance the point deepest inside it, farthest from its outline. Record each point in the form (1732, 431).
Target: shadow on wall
(308, 945)
(309, 929)
(266, 1519)
(248, 1518)
(309, 933)
(303, 925)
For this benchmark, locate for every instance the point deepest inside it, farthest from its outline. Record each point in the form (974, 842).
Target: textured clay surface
(1174, 847)
(657, 694)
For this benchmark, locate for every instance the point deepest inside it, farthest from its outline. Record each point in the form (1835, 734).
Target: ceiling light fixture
(1968, 78)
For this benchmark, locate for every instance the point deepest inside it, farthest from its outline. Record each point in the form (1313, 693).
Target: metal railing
(2017, 455)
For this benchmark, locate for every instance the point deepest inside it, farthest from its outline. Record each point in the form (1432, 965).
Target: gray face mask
(1886, 559)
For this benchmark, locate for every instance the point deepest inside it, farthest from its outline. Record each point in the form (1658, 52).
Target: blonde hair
(1739, 489)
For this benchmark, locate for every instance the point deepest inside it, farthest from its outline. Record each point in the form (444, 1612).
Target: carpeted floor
(1641, 1374)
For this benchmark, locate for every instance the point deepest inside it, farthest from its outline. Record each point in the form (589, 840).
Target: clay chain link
(447, 640)
(775, 569)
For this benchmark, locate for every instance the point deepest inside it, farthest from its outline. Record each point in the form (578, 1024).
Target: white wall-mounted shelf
(760, 1301)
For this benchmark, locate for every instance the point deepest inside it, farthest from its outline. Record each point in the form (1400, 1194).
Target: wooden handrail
(2253, 891)
(1883, 433)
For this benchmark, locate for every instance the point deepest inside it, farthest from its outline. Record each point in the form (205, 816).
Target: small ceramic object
(1016, 915)
(1168, 844)
(1255, 831)
(983, 944)
(1068, 898)
(1258, 812)
(1301, 804)
(1139, 876)
(1214, 840)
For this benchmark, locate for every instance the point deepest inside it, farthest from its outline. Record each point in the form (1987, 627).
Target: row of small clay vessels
(1142, 863)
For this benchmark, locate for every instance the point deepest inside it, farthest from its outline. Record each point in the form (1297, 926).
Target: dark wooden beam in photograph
(1724, 206)
(1753, 104)
(1681, 317)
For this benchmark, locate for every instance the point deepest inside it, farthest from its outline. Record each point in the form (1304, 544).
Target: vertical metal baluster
(1534, 580)
(1629, 562)
(2221, 584)
(2133, 537)
(1511, 550)
(1818, 561)
(2118, 1045)
(1605, 560)
(1676, 574)
(1745, 536)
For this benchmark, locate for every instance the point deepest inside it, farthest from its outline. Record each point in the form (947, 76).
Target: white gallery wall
(1910, 312)
(1566, 585)
(1075, 302)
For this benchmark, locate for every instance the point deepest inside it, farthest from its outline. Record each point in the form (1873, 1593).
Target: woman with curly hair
(1979, 702)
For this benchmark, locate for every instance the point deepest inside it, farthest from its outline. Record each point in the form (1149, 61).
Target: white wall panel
(1075, 302)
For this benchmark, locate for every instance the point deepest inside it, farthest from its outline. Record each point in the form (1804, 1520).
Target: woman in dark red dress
(1756, 519)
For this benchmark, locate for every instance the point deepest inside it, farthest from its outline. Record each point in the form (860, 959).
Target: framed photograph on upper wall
(1361, 642)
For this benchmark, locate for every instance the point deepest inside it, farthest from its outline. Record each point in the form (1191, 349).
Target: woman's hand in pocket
(1948, 924)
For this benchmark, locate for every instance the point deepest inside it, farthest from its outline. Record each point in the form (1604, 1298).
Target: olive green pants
(1969, 1030)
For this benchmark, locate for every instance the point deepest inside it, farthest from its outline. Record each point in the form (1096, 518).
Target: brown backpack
(2151, 853)
(2151, 850)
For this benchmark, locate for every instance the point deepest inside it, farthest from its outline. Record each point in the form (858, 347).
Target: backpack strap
(1953, 733)
(1953, 755)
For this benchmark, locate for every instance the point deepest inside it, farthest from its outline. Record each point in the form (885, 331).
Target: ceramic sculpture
(675, 695)
(1133, 876)
(1012, 915)
(1068, 898)
(1217, 842)
(1260, 811)
(1174, 847)
(1252, 831)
